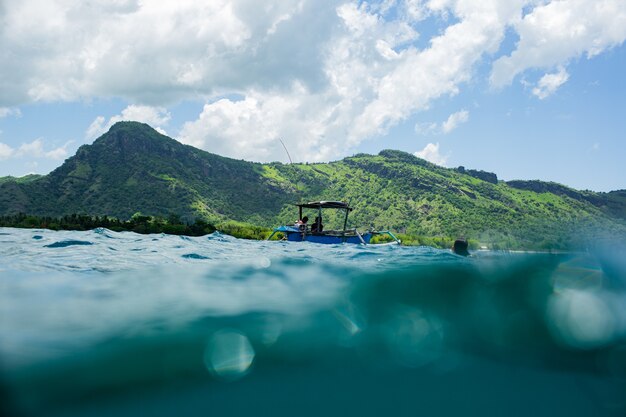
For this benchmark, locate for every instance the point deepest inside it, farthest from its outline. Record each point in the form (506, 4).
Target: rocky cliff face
(481, 175)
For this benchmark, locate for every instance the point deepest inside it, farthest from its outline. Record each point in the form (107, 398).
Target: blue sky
(528, 89)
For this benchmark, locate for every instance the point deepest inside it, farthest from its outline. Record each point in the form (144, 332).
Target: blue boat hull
(296, 235)
(327, 239)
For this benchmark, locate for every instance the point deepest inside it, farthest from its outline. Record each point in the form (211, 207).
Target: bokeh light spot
(229, 355)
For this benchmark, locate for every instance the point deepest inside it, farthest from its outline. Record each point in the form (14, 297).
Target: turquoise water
(101, 323)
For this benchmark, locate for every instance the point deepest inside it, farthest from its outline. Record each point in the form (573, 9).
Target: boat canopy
(325, 204)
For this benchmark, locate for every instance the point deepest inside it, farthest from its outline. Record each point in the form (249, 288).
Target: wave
(66, 243)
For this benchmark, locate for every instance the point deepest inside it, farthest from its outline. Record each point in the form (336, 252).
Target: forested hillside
(133, 168)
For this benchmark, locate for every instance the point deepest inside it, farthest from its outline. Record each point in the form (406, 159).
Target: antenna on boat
(290, 163)
(288, 156)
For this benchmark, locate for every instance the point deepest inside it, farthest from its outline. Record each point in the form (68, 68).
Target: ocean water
(100, 323)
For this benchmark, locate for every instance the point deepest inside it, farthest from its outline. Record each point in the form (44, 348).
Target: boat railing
(388, 233)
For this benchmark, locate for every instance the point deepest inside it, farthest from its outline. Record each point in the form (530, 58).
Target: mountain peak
(124, 125)
(134, 135)
(128, 128)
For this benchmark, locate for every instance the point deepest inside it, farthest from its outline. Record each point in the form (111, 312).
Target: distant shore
(173, 225)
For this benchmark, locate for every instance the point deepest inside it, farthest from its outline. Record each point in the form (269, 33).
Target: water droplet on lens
(414, 338)
(228, 355)
(262, 263)
(271, 331)
(581, 319)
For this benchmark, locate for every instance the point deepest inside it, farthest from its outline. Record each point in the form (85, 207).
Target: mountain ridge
(133, 168)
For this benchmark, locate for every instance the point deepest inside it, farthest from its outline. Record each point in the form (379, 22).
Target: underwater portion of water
(101, 323)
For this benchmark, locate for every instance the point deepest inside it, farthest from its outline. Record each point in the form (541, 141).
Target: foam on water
(106, 323)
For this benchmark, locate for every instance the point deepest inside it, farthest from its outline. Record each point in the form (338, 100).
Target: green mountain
(132, 168)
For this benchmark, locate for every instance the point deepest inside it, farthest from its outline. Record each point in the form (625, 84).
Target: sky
(528, 89)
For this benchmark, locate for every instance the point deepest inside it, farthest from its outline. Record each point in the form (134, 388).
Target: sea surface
(100, 323)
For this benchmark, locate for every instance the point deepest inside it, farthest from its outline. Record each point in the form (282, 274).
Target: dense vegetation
(138, 223)
(133, 168)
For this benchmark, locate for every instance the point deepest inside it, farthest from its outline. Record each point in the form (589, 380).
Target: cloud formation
(6, 111)
(322, 75)
(155, 52)
(549, 83)
(34, 149)
(455, 120)
(5, 151)
(431, 153)
(555, 32)
(251, 128)
(157, 117)
(376, 78)
(452, 122)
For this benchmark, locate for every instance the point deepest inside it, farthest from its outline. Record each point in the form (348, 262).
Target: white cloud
(322, 75)
(57, 153)
(96, 128)
(431, 153)
(376, 78)
(427, 128)
(549, 83)
(451, 123)
(161, 130)
(5, 151)
(35, 149)
(156, 52)
(422, 76)
(555, 32)
(156, 117)
(6, 111)
(225, 127)
(416, 9)
(454, 120)
(250, 128)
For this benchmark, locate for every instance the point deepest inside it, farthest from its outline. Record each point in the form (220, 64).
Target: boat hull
(327, 239)
(295, 235)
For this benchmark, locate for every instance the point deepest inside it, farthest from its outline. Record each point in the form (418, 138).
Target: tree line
(138, 223)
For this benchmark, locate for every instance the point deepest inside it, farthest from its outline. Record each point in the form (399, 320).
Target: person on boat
(301, 223)
(460, 247)
(317, 225)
